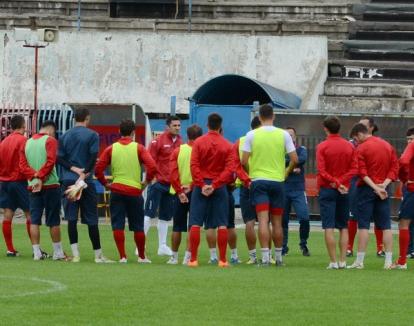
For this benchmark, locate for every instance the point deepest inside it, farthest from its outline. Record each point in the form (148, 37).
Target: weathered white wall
(147, 68)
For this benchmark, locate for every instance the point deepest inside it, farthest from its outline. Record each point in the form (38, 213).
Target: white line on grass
(54, 287)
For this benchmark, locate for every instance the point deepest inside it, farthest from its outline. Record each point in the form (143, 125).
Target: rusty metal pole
(36, 63)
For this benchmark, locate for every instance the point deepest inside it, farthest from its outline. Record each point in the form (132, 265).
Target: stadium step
(384, 35)
(365, 104)
(270, 9)
(334, 88)
(369, 70)
(379, 50)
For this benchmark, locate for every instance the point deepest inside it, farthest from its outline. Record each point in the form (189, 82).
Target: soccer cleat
(60, 256)
(332, 266)
(144, 260)
(75, 259)
(279, 263)
(12, 254)
(285, 251)
(186, 260)
(342, 265)
(252, 261)
(172, 261)
(192, 263)
(213, 261)
(45, 255)
(388, 265)
(380, 253)
(164, 251)
(399, 266)
(264, 264)
(356, 265)
(223, 264)
(349, 253)
(235, 261)
(103, 260)
(305, 251)
(272, 261)
(37, 258)
(123, 260)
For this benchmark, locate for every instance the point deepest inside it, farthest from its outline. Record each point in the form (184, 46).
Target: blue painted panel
(236, 118)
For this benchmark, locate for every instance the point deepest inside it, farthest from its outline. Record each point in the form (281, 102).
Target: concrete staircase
(377, 71)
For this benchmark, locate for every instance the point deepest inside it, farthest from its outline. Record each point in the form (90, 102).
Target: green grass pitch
(301, 293)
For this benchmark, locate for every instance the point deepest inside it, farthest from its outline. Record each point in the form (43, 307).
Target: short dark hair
(48, 123)
(81, 114)
(266, 111)
(255, 123)
(171, 118)
(332, 123)
(410, 131)
(214, 121)
(291, 128)
(358, 128)
(371, 122)
(17, 122)
(126, 127)
(194, 131)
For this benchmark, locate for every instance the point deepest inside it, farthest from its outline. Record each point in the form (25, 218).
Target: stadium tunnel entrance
(234, 97)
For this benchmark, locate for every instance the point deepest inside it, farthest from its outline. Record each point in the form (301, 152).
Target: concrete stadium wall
(147, 68)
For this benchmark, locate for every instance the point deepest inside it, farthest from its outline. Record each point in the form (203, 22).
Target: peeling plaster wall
(147, 68)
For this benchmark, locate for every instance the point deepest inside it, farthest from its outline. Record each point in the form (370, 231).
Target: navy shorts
(370, 206)
(159, 199)
(268, 196)
(13, 195)
(131, 207)
(334, 209)
(353, 200)
(232, 214)
(47, 200)
(407, 206)
(180, 218)
(297, 199)
(211, 211)
(247, 209)
(87, 204)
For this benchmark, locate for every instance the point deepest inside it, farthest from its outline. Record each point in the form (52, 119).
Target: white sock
(98, 253)
(278, 254)
(388, 257)
(162, 233)
(57, 248)
(175, 255)
(147, 224)
(252, 254)
(213, 253)
(234, 254)
(265, 255)
(36, 250)
(360, 257)
(75, 250)
(187, 254)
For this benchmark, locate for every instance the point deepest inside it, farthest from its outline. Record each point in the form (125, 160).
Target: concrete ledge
(364, 104)
(252, 26)
(368, 90)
